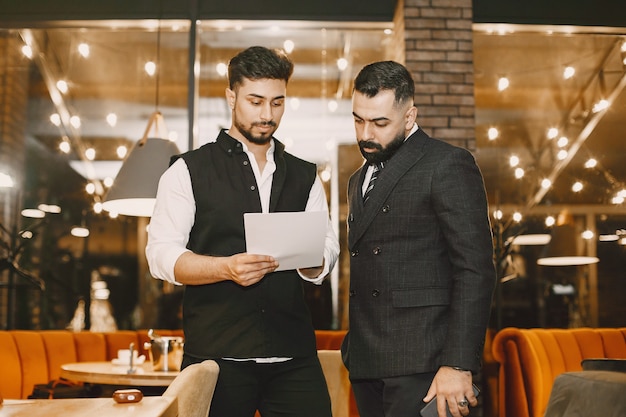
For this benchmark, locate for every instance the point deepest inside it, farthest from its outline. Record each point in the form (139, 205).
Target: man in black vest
(236, 309)
(421, 265)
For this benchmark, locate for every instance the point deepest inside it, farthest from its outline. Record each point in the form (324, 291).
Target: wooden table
(109, 374)
(81, 407)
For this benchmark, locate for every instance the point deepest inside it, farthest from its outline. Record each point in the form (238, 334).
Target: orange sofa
(32, 357)
(531, 359)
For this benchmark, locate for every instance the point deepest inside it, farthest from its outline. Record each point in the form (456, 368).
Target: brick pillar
(439, 54)
(13, 100)
(14, 70)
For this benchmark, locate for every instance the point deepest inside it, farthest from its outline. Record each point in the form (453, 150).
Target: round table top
(108, 373)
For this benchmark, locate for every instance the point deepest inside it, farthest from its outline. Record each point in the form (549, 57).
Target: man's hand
(245, 269)
(452, 386)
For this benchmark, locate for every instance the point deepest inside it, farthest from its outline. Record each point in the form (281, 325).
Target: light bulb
(503, 83)
(568, 72)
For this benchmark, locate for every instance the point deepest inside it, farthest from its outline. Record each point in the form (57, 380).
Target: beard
(383, 153)
(261, 139)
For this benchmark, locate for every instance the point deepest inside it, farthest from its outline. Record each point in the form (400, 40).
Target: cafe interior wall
(115, 246)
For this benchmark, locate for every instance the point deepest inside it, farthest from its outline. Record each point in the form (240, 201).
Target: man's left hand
(452, 387)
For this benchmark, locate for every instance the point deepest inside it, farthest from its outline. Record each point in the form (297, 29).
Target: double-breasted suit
(421, 263)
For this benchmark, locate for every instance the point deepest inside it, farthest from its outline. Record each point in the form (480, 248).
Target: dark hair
(258, 62)
(385, 75)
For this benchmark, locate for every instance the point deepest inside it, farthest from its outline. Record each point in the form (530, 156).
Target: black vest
(270, 318)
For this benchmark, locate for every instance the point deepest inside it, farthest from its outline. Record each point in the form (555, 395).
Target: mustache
(368, 144)
(268, 123)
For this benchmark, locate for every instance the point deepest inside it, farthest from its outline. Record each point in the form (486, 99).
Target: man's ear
(230, 98)
(411, 116)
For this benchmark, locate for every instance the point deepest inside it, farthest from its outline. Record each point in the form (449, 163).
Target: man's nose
(267, 112)
(368, 131)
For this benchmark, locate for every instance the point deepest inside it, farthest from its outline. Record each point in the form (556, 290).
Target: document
(295, 239)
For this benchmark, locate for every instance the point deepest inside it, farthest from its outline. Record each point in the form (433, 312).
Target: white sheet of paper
(295, 239)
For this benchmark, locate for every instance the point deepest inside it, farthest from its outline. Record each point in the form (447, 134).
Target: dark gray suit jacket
(421, 267)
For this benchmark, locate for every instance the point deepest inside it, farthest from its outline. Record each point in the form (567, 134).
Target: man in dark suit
(421, 266)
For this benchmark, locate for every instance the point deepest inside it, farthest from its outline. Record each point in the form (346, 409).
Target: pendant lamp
(133, 192)
(562, 250)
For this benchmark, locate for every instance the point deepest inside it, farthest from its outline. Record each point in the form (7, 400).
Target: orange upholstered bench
(531, 359)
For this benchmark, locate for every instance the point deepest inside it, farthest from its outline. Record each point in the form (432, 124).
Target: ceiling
(532, 57)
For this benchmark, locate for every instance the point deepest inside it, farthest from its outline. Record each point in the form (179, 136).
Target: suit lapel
(363, 214)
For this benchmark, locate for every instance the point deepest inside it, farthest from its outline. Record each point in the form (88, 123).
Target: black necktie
(375, 170)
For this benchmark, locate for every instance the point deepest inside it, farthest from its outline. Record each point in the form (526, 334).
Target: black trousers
(295, 388)
(399, 396)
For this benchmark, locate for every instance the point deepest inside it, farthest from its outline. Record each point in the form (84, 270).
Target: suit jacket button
(377, 250)
(354, 253)
(375, 293)
(352, 293)
(386, 209)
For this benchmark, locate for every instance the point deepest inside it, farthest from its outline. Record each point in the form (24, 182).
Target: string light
(62, 86)
(27, 51)
(55, 119)
(288, 46)
(568, 72)
(111, 119)
(587, 235)
(601, 105)
(150, 68)
(83, 50)
(591, 163)
(90, 153)
(553, 132)
(577, 186)
(65, 146)
(493, 133)
(503, 83)
(122, 150)
(342, 64)
(221, 68)
(75, 121)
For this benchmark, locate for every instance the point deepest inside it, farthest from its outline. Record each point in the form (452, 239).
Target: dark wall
(16, 13)
(551, 12)
(561, 12)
